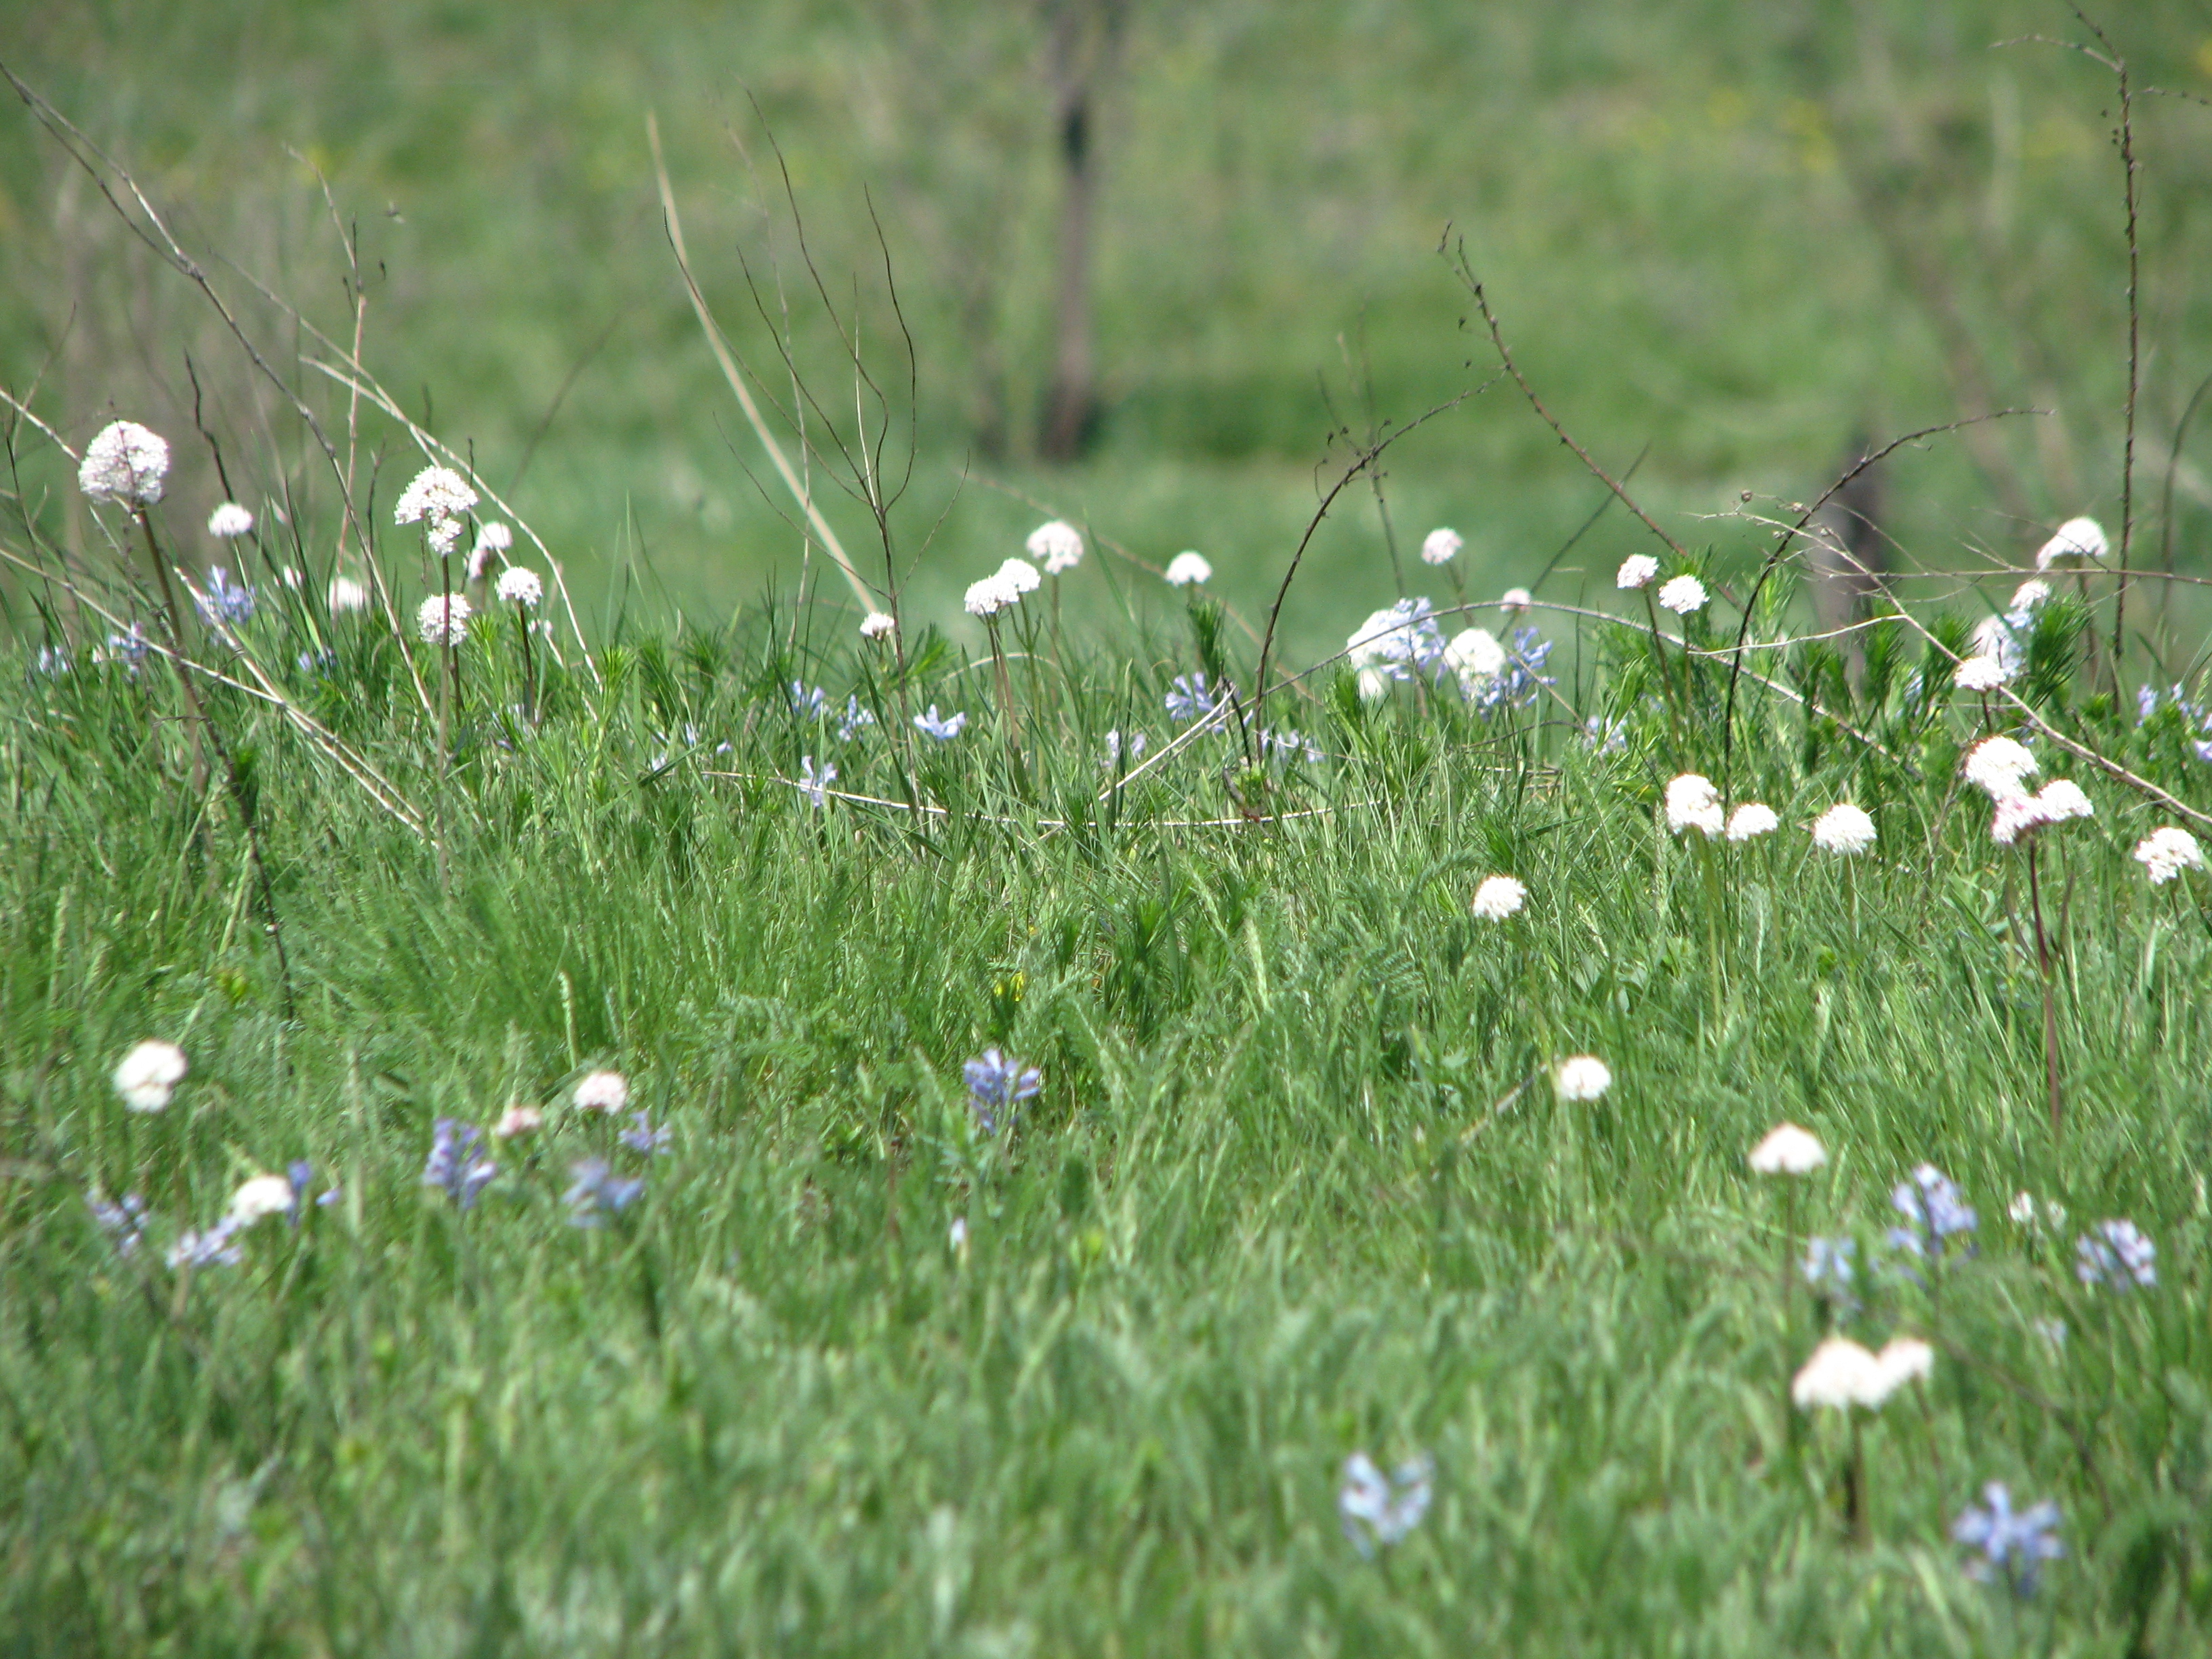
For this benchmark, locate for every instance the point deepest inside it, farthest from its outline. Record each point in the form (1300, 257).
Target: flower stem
(2050, 1003)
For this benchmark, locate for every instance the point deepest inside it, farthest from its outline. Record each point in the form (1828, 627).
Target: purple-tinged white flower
(1190, 699)
(2116, 1256)
(641, 1136)
(148, 1075)
(1441, 546)
(1379, 1509)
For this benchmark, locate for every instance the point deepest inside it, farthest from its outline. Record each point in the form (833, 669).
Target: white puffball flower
(347, 594)
(1584, 1077)
(1693, 803)
(1788, 1149)
(264, 1196)
(518, 1119)
(1636, 570)
(1476, 657)
(989, 596)
(2167, 851)
(877, 625)
(1374, 685)
(444, 618)
(1752, 820)
(125, 462)
(1992, 637)
(1186, 568)
(2064, 798)
(493, 536)
(1902, 1359)
(601, 1091)
(1498, 898)
(1840, 1374)
(1998, 765)
(519, 584)
(1020, 577)
(1058, 546)
(1516, 600)
(1441, 546)
(2079, 541)
(2017, 815)
(149, 1074)
(437, 494)
(1842, 828)
(1683, 595)
(1979, 673)
(229, 521)
(2029, 594)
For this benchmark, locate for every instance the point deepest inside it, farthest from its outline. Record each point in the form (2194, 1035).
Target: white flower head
(443, 618)
(1058, 546)
(1516, 600)
(1979, 673)
(1842, 828)
(1374, 685)
(1498, 898)
(518, 1119)
(1788, 1149)
(2079, 542)
(1186, 568)
(519, 584)
(1840, 1374)
(2029, 594)
(2167, 851)
(601, 1091)
(229, 521)
(438, 495)
(262, 1196)
(1476, 657)
(989, 596)
(2064, 798)
(2021, 814)
(347, 594)
(1020, 577)
(148, 1075)
(125, 462)
(877, 625)
(1752, 820)
(493, 536)
(1636, 570)
(2026, 1211)
(1902, 1359)
(1683, 595)
(1441, 546)
(1998, 766)
(1693, 803)
(1992, 637)
(1584, 1077)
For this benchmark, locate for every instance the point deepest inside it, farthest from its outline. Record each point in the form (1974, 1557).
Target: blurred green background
(1740, 236)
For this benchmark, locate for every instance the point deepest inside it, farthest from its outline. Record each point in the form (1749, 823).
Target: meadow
(1072, 1100)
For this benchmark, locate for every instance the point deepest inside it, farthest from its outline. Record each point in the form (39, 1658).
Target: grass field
(396, 1326)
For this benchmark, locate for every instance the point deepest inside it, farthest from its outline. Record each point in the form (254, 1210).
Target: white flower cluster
(1476, 657)
(1583, 1077)
(1844, 829)
(443, 619)
(1683, 596)
(1638, 570)
(1002, 588)
(519, 584)
(2000, 766)
(1693, 803)
(1186, 568)
(2167, 851)
(1788, 1149)
(877, 625)
(125, 462)
(438, 499)
(347, 594)
(601, 1091)
(1441, 546)
(149, 1074)
(1057, 546)
(1842, 1373)
(2079, 542)
(229, 521)
(1498, 898)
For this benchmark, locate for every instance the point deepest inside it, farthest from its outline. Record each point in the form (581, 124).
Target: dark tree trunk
(1086, 37)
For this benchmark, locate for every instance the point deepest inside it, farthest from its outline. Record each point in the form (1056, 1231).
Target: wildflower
(1374, 685)
(641, 1136)
(1683, 595)
(1134, 745)
(956, 1234)
(517, 1120)
(1604, 735)
(124, 1220)
(816, 784)
(2167, 851)
(877, 625)
(2025, 597)
(1998, 766)
(1934, 1211)
(211, 1248)
(300, 1174)
(456, 1166)
(1842, 1373)
(601, 1091)
(990, 596)
(808, 702)
(1788, 1149)
(855, 720)
(1441, 546)
(2021, 814)
(1498, 898)
(1058, 546)
(149, 1074)
(53, 661)
(1189, 700)
(2115, 1255)
(444, 618)
(129, 648)
(997, 1085)
(519, 584)
(2025, 1212)
(1828, 1269)
(1979, 674)
(262, 1196)
(1636, 570)
(1390, 640)
(1842, 828)
(347, 594)
(596, 1192)
(1379, 1509)
(229, 521)
(1752, 820)
(1289, 746)
(1476, 656)
(2015, 1544)
(1514, 600)
(1584, 1077)
(1020, 577)
(492, 536)
(1521, 680)
(1186, 568)
(225, 601)
(944, 730)
(2079, 541)
(437, 499)
(1693, 803)
(125, 462)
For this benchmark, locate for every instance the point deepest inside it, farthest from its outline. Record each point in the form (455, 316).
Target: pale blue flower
(1830, 1271)
(1377, 1509)
(129, 647)
(943, 730)
(456, 1165)
(225, 601)
(996, 1086)
(53, 661)
(1522, 681)
(1289, 746)
(1605, 737)
(855, 720)
(124, 1220)
(1190, 699)
(2015, 1546)
(816, 783)
(598, 1192)
(212, 1249)
(808, 702)
(642, 1136)
(1934, 1214)
(1116, 745)
(2115, 1255)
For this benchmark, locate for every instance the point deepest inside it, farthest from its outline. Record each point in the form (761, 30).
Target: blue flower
(1605, 737)
(2015, 1544)
(1522, 681)
(1828, 1269)
(1190, 699)
(456, 1166)
(643, 1137)
(598, 1192)
(1379, 1509)
(943, 730)
(129, 648)
(317, 663)
(816, 783)
(997, 1085)
(854, 721)
(1134, 745)
(2115, 1255)
(1289, 746)
(53, 661)
(211, 1248)
(1934, 1214)
(124, 1220)
(226, 601)
(809, 703)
